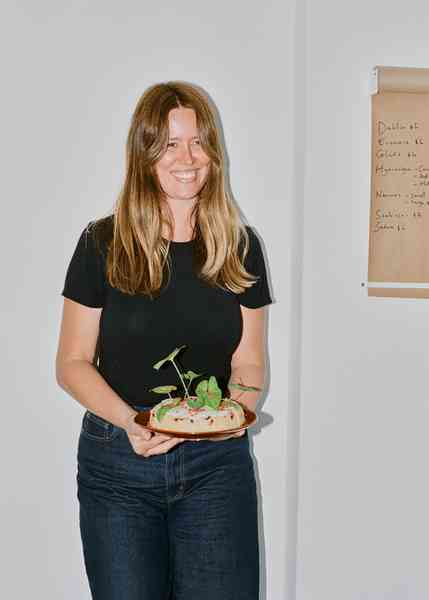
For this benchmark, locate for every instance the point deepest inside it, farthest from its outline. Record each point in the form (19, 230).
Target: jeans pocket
(98, 429)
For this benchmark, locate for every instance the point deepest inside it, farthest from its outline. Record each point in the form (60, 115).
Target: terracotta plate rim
(142, 418)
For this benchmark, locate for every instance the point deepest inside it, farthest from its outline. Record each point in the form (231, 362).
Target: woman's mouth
(185, 176)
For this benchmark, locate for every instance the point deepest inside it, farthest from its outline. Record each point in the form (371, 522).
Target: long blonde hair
(137, 257)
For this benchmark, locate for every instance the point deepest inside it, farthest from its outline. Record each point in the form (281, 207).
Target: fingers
(139, 431)
(157, 444)
(146, 443)
(227, 437)
(163, 447)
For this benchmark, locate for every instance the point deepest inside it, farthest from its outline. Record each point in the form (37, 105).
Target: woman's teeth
(185, 176)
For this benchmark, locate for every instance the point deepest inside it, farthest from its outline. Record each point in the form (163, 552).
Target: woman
(162, 517)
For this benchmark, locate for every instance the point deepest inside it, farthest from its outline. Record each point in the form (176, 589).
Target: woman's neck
(180, 212)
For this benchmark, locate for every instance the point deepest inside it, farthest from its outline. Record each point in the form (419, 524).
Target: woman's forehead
(182, 122)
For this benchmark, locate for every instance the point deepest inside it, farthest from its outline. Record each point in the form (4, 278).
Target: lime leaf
(214, 400)
(243, 388)
(202, 387)
(191, 375)
(196, 402)
(163, 410)
(163, 389)
(214, 396)
(171, 356)
(203, 396)
(201, 391)
(213, 386)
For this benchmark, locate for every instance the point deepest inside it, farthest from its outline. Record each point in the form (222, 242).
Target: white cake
(174, 414)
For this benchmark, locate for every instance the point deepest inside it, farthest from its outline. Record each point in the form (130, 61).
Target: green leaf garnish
(202, 387)
(214, 401)
(243, 388)
(163, 410)
(214, 394)
(212, 385)
(171, 356)
(191, 375)
(201, 391)
(208, 392)
(196, 402)
(164, 389)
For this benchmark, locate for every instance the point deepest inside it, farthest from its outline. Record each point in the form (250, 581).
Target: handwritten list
(399, 220)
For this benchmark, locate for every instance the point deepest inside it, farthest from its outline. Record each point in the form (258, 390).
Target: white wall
(364, 443)
(71, 75)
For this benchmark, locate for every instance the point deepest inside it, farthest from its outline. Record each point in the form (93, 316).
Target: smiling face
(183, 169)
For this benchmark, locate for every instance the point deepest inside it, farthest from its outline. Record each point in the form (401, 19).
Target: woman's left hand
(226, 437)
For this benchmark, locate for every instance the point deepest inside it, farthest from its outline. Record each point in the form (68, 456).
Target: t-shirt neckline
(176, 243)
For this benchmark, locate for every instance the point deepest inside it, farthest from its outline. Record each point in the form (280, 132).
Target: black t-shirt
(136, 331)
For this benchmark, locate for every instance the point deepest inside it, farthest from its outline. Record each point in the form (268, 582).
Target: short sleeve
(259, 294)
(85, 278)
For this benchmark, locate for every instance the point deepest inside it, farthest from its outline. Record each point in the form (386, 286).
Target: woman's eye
(174, 144)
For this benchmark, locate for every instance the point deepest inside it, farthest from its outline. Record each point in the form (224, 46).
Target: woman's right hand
(146, 443)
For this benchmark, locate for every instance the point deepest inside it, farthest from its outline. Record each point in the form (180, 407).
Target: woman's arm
(248, 360)
(75, 370)
(77, 375)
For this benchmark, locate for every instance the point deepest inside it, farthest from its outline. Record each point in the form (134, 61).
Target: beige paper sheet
(399, 219)
(402, 79)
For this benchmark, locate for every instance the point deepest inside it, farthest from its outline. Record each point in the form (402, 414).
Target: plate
(142, 418)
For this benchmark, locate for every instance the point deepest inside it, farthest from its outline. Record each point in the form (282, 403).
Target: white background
(342, 453)
(72, 73)
(363, 524)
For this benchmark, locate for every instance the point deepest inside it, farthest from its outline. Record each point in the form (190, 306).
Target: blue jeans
(177, 526)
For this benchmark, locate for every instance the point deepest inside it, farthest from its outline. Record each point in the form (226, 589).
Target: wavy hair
(137, 259)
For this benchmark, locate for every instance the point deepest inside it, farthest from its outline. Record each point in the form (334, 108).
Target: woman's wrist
(129, 418)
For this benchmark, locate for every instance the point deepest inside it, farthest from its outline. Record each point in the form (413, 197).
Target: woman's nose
(186, 155)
